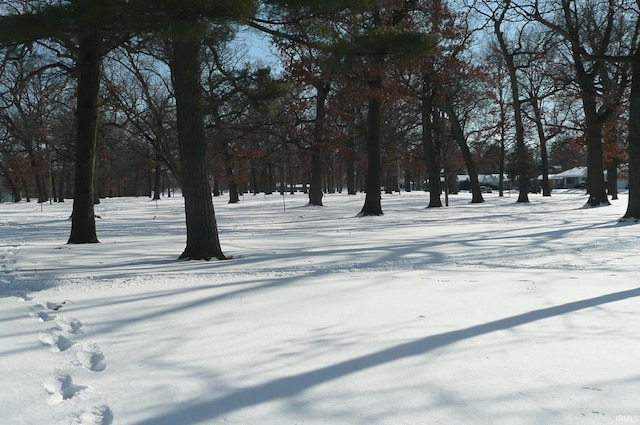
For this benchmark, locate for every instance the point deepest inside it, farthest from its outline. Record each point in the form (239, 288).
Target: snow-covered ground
(499, 313)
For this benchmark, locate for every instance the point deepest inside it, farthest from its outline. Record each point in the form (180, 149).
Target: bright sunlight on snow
(498, 313)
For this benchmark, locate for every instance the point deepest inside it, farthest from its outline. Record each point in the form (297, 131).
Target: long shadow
(286, 387)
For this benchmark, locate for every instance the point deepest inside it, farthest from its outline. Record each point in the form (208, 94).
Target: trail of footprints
(59, 336)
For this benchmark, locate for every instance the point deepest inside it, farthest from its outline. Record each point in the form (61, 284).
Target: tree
(90, 30)
(600, 33)
(458, 134)
(30, 96)
(538, 83)
(382, 39)
(633, 208)
(139, 101)
(366, 35)
(202, 234)
(498, 18)
(589, 25)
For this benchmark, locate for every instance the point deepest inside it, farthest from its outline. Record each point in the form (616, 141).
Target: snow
(498, 313)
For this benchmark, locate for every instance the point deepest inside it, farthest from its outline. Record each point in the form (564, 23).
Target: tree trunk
(546, 187)
(156, 181)
(430, 153)
(268, 179)
(372, 201)
(234, 197)
(633, 207)
(389, 185)
(61, 186)
(523, 193)
(458, 134)
(351, 167)
(54, 190)
(596, 186)
(612, 179)
(83, 224)
(315, 183)
(202, 230)
(407, 180)
(315, 186)
(503, 142)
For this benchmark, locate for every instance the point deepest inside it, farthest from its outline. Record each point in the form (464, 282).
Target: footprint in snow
(60, 388)
(23, 297)
(96, 415)
(70, 325)
(39, 313)
(42, 316)
(53, 339)
(92, 358)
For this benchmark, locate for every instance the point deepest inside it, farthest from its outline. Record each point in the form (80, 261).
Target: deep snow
(499, 313)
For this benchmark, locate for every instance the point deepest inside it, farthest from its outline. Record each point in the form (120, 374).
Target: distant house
(572, 178)
(489, 180)
(577, 178)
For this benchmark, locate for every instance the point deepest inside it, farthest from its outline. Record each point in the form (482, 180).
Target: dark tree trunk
(430, 152)
(54, 191)
(596, 186)
(268, 179)
(458, 134)
(156, 181)
(351, 168)
(292, 178)
(546, 187)
(612, 179)
(41, 189)
(315, 185)
(61, 186)
(202, 230)
(254, 179)
(633, 207)
(503, 150)
(16, 194)
(83, 224)
(216, 187)
(372, 201)
(389, 185)
(407, 180)
(234, 197)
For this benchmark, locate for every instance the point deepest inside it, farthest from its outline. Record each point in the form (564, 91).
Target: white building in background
(575, 178)
(572, 178)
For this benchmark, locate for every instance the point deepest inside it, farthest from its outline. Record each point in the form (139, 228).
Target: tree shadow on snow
(286, 387)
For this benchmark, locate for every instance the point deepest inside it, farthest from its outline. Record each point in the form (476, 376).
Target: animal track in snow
(92, 358)
(60, 388)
